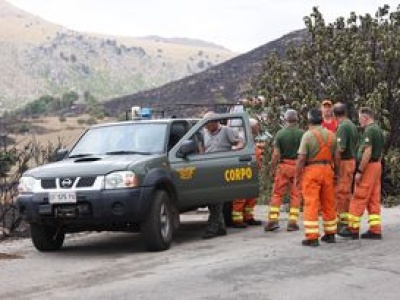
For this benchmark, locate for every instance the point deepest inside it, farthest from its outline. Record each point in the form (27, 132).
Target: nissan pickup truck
(135, 176)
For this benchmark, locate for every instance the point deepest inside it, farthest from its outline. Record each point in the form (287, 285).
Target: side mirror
(186, 148)
(60, 154)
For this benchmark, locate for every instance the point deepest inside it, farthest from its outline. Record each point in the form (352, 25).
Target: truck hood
(88, 166)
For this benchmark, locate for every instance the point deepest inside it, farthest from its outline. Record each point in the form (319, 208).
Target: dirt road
(246, 264)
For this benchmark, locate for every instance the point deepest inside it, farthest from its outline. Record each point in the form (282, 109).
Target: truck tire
(46, 238)
(157, 229)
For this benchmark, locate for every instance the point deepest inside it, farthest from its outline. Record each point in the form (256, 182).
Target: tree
(354, 60)
(39, 106)
(70, 97)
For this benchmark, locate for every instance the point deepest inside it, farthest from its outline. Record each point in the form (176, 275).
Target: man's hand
(358, 177)
(335, 179)
(301, 162)
(272, 173)
(274, 162)
(296, 181)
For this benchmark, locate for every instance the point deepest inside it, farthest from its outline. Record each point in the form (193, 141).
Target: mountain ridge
(39, 57)
(224, 83)
(185, 41)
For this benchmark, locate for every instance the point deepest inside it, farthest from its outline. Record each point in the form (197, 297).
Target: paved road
(246, 264)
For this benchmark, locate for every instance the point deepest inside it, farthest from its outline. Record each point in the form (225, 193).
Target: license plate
(62, 197)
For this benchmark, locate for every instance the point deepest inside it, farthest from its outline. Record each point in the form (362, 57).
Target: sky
(239, 25)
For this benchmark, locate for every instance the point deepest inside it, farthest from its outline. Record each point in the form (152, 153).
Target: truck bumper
(92, 207)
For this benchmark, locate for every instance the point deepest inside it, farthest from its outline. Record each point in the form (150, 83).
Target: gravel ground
(247, 263)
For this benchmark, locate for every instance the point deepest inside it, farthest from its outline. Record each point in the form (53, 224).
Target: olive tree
(354, 60)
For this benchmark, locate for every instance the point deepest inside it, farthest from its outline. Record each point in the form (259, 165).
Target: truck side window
(178, 130)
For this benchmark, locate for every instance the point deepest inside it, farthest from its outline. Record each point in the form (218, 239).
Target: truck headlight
(26, 184)
(119, 180)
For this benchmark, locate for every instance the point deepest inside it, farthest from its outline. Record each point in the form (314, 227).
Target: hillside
(38, 57)
(223, 83)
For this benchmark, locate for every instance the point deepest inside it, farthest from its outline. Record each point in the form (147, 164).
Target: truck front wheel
(46, 238)
(158, 227)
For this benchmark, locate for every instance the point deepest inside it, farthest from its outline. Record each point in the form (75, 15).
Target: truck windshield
(122, 139)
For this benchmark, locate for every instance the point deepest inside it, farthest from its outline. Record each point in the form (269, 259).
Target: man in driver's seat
(218, 138)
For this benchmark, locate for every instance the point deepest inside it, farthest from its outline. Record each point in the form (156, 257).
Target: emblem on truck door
(186, 173)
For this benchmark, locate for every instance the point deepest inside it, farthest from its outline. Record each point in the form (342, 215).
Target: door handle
(245, 158)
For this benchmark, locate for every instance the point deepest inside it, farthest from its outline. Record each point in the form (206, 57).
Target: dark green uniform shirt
(287, 141)
(347, 139)
(373, 136)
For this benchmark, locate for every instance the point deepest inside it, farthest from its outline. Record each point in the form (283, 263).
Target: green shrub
(23, 128)
(91, 121)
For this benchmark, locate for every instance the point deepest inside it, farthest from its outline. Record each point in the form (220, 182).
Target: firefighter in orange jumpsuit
(243, 209)
(346, 139)
(283, 166)
(367, 191)
(317, 165)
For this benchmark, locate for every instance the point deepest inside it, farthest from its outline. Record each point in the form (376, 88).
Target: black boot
(271, 226)
(310, 243)
(238, 225)
(292, 226)
(371, 235)
(329, 238)
(347, 233)
(216, 223)
(253, 222)
(341, 226)
(209, 234)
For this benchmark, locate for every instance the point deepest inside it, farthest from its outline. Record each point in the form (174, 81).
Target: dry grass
(54, 131)
(19, 26)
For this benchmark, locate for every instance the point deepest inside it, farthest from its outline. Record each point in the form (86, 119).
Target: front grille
(48, 183)
(86, 182)
(67, 182)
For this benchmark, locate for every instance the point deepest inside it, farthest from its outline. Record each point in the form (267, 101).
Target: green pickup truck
(135, 176)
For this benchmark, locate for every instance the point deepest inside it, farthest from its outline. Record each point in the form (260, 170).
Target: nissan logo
(66, 182)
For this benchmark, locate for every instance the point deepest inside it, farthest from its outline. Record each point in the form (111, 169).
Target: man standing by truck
(217, 138)
(346, 139)
(317, 166)
(367, 191)
(283, 165)
(243, 209)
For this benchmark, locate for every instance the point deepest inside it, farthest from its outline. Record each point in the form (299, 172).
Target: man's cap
(327, 102)
(253, 122)
(291, 116)
(209, 114)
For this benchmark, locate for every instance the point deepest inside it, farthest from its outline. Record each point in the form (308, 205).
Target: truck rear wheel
(158, 227)
(46, 238)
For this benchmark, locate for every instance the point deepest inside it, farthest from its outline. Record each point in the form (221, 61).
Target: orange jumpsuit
(367, 192)
(318, 189)
(343, 189)
(243, 209)
(367, 195)
(284, 177)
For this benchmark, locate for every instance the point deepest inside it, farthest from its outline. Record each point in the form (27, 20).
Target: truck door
(207, 177)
